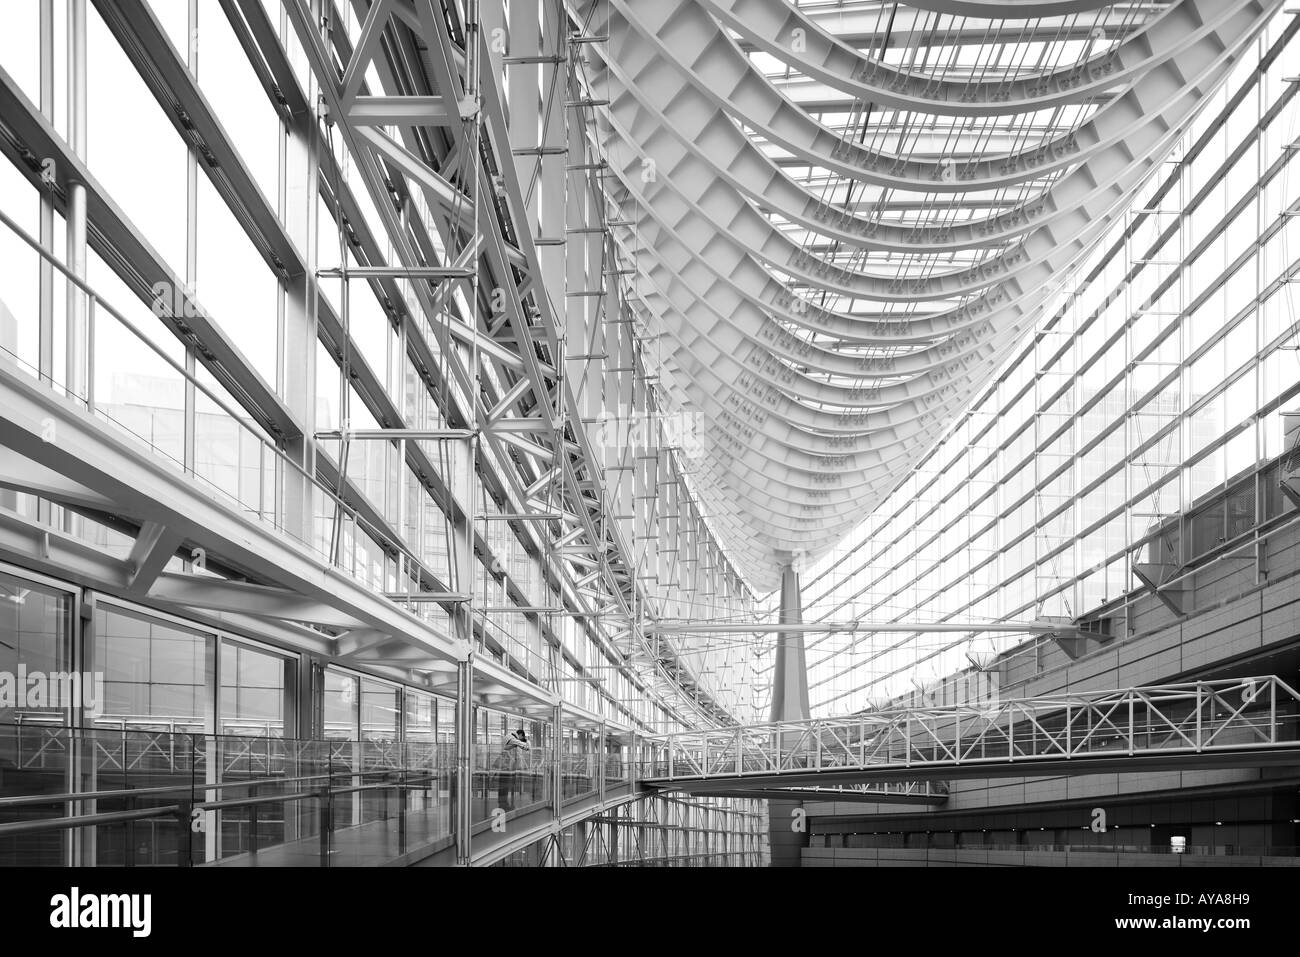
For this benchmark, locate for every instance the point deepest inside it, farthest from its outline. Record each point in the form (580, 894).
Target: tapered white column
(787, 826)
(790, 678)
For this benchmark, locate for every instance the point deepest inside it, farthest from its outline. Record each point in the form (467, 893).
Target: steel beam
(145, 487)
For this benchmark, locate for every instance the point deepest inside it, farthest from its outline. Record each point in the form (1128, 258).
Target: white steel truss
(1252, 719)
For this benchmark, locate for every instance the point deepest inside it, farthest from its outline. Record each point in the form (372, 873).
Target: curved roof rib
(732, 156)
(832, 278)
(681, 34)
(818, 54)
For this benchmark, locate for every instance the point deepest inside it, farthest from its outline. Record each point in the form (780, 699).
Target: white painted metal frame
(1244, 715)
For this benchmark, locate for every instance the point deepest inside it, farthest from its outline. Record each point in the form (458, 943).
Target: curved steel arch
(707, 142)
(1008, 9)
(747, 227)
(727, 77)
(709, 257)
(820, 55)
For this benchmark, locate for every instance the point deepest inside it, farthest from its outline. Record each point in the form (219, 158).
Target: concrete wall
(1002, 792)
(980, 857)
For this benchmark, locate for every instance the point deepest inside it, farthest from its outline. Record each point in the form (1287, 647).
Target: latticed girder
(1225, 720)
(483, 234)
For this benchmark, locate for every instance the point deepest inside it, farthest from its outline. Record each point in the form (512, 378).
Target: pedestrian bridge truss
(1245, 721)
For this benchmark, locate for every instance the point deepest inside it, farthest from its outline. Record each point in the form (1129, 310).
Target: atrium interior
(649, 433)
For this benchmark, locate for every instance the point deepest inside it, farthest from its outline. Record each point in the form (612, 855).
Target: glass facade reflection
(253, 691)
(201, 714)
(36, 636)
(156, 676)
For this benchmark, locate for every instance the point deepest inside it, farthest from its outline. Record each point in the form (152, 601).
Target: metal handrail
(86, 820)
(78, 796)
(113, 817)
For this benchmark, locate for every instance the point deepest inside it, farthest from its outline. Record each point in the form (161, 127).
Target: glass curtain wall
(181, 208)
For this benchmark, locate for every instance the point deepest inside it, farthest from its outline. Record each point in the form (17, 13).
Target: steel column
(464, 758)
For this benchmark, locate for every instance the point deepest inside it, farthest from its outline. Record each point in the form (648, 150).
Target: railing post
(252, 821)
(1272, 710)
(326, 823)
(601, 758)
(128, 859)
(1132, 727)
(402, 792)
(557, 772)
(862, 742)
(90, 354)
(463, 825)
(185, 850)
(672, 740)
(740, 763)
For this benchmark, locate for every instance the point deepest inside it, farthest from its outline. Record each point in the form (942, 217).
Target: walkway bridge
(162, 797)
(1241, 722)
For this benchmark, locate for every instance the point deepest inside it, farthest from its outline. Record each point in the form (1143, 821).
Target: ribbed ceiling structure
(842, 216)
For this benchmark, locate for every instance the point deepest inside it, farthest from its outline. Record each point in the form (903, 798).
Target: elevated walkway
(1244, 722)
(161, 798)
(422, 838)
(909, 793)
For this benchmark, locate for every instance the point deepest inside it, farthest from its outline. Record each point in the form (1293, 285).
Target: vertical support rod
(45, 346)
(300, 152)
(1132, 727)
(189, 429)
(464, 758)
(1199, 709)
(557, 779)
(1272, 710)
(75, 336)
